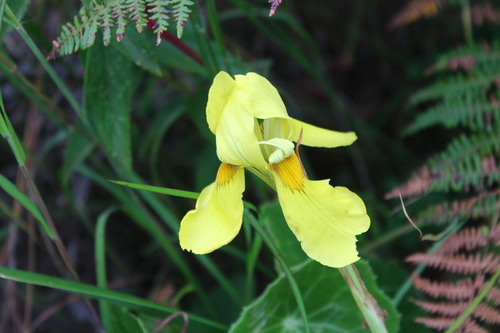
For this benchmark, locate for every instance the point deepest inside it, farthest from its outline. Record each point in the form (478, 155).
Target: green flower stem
(286, 270)
(474, 303)
(371, 311)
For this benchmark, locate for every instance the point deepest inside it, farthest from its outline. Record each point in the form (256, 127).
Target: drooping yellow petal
(217, 218)
(219, 94)
(312, 136)
(324, 219)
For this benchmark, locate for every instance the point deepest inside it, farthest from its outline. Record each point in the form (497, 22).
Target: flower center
(226, 173)
(290, 172)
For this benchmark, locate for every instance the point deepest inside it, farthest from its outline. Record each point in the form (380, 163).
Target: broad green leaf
(125, 300)
(272, 218)
(108, 90)
(139, 50)
(122, 321)
(12, 190)
(77, 149)
(328, 301)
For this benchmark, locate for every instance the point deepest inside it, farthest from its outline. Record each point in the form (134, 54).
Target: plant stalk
(371, 311)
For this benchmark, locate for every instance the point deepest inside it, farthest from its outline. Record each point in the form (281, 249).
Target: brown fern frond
(415, 10)
(460, 263)
(468, 239)
(473, 327)
(484, 13)
(477, 206)
(453, 291)
(487, 314)
(494, 296)
(418, 184)
(436, 323)
(442, 323)
(446, 309)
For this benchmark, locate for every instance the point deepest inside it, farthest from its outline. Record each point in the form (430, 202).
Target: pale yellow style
(325, 219)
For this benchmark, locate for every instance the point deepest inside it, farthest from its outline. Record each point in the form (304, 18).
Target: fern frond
(460, 263)
(494, 296)
(468, 239)
(487, 314)
(476, 113)
(447, 309)
(458, 86)
(415, 10)
(465, 289)
(467, 57)
(137, 13)
(107, 21)
(181, 13)
(117, 14)
(469, 162)
(443, 323)
(160, 14)
(418, 184)
(477, 206)
(484, 13)
(120, 15)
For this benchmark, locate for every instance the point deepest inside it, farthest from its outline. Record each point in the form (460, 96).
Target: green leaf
(122, 321)
(140, 51)
(12, 190)
(108, 91)
(272, 218)
(161, 190)
(327, 298)
(77, 149)
(7, 131)
(19, 9)
(125, 300)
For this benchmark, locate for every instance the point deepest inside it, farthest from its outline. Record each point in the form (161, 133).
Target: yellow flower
(325, 219)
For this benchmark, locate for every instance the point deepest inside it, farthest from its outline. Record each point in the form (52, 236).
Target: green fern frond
(117, 14)
(468, 163)
(159, 13)
(479, 55)
(459, 86)
(181, 13)
(474, 112)
(475, 207)
(137, 11)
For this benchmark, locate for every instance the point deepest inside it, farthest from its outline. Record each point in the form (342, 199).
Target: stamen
(226, 173)
(290, 172)
(299, 141)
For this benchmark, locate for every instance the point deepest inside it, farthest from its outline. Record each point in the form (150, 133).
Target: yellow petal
(219, 94)
(217, 218)
(324, 219)
(259, 97)
(236, 139)
(312, 136)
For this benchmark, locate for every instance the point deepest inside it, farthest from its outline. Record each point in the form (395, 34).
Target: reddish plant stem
(177, 43)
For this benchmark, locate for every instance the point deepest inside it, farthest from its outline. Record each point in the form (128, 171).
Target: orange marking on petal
(290, 172)
(226, 173)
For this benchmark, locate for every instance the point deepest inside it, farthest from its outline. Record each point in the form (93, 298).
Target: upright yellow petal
(236, 139)
(218, 215)
(259, 97)
(219, 94)
(324, 219)
(312, 136)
